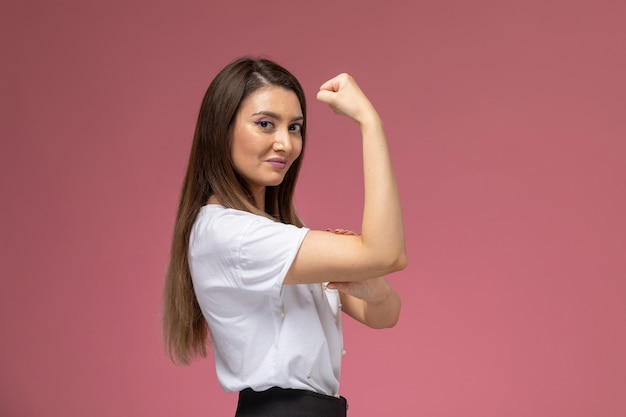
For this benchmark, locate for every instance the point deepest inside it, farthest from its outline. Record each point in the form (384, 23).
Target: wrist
(367, 116)
(370, 122)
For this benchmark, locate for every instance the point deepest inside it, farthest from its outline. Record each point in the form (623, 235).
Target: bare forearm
(371, 302)
(382, 225)
(382, 237)
(383, 314)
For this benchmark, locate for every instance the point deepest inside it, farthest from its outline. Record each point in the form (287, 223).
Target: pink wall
(507, 124)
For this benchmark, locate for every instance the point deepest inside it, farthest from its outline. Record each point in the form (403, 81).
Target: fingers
(328, 90)
(346, 287)
(325, 96)
(374, 290)
(344, 97)
(341, 232)
(354, 289)
(335, 83)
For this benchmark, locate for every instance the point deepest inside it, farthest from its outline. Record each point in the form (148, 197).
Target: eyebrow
(276, 116)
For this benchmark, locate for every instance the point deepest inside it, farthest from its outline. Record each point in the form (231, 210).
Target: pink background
(507, 124)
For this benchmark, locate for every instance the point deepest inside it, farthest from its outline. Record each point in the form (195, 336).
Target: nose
(282, 141)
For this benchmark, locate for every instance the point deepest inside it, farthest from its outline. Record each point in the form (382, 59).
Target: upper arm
(325, 256)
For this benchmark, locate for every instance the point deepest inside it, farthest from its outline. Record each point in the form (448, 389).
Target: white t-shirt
(263, 334)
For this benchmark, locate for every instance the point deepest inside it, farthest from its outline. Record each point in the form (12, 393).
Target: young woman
(245, 270)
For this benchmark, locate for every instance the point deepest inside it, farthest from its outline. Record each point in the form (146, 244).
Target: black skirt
(281, 402)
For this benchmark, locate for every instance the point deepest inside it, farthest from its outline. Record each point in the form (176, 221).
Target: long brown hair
(211, 172)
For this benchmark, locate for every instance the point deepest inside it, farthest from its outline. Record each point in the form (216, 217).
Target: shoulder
(244, 249)
(217, 226)
(220, 227)
(218, 217)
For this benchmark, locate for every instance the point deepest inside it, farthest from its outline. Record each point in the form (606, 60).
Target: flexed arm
(372, 301)
(379, 249)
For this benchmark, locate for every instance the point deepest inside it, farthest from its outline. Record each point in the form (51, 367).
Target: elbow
(389, 319)
(391, 322)
(397, 262)
(401, 261)
(390, 263)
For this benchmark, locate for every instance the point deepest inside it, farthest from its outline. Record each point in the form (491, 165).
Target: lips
(278, 163)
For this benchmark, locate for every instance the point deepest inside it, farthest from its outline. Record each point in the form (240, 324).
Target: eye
(264, 124)
(295, 127)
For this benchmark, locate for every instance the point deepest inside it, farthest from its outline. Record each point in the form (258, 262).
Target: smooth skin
(372, 302)
(267, 128)
(265, 134)
(358, 263)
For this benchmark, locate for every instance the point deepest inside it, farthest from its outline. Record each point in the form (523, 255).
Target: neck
(259, 198)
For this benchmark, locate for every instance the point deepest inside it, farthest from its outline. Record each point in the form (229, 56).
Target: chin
(274, 182)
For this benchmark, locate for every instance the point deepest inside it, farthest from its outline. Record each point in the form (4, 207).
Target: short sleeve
(236, 250)
(267, 251)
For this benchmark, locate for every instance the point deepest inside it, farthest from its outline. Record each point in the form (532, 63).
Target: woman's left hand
(373, 291)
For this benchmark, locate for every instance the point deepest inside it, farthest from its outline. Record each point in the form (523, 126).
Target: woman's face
(266, 137)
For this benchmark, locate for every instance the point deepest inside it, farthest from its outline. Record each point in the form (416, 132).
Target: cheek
(297, 149)
(242, 147)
